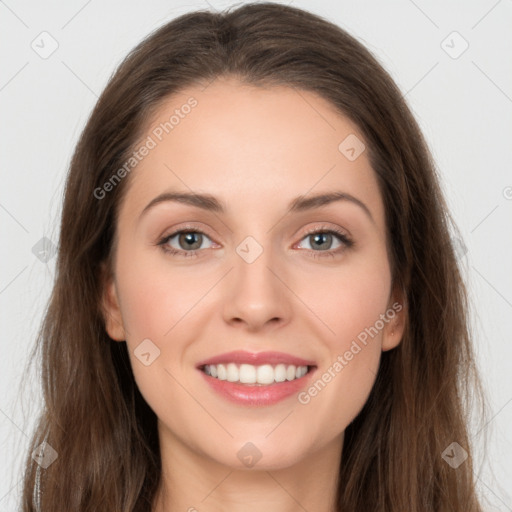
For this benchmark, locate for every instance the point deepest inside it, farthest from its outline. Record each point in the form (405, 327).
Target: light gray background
(463, 104)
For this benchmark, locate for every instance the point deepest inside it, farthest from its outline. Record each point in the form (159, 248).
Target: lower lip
(244, 394)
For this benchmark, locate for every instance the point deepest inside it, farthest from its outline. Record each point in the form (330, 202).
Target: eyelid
(188, 226)
(326, 226)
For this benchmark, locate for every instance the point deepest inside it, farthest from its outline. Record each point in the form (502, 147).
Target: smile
(256, 379)
(263, 375)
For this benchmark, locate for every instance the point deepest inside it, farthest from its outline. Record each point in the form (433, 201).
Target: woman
(203, 349)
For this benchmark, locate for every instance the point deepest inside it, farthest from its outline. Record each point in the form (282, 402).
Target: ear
(396, 314)
(110, 306)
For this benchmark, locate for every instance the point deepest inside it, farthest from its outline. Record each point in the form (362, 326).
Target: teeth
(259, 375)
(232, 373)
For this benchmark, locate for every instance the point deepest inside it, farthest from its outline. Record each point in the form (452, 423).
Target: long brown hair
(94, 416)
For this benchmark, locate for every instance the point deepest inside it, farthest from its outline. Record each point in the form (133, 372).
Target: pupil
(319, 236)
(189, 239)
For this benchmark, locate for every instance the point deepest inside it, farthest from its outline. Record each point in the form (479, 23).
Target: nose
(256, 294)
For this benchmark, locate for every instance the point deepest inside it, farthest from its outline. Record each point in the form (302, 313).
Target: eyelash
(346, 241)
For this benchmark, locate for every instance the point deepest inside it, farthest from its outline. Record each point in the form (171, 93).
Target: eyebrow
(211, 203)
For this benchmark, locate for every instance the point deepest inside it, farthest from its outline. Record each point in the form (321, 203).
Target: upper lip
(256, 358)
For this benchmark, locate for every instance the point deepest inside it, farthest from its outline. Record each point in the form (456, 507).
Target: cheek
(352, 299)
(155, 296)
(351, 306)
(360, 305)
(155, 304)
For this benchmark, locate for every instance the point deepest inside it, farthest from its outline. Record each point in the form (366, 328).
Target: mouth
(256, 379)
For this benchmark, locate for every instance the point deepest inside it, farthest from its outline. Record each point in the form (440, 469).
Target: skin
(255, 150)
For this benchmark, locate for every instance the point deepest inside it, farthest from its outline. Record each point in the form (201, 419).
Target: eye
(190, 240)
(322, 238)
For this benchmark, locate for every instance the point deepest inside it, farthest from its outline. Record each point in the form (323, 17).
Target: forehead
(251, 147)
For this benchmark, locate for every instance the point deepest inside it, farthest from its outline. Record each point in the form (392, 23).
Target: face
(259, 266)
